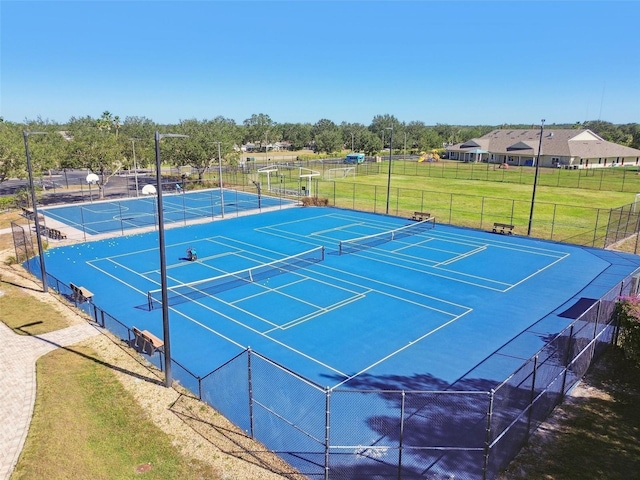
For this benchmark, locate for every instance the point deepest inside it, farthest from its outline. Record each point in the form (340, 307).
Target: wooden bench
(146, 342)
(420, 216)
(504, 228)
(55, 234)
(80, 294)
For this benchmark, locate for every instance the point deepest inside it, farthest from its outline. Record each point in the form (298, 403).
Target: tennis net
(210, 286)
(369, 241)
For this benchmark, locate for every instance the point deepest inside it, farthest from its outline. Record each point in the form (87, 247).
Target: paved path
(18, 355)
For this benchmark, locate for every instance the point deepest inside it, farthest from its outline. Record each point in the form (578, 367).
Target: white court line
(392, 287)
(461, 256)
(257, 332)
(342, 374)
(392, 354)
(335, 229)
(322, 311)
(538, 271)
(453, 275)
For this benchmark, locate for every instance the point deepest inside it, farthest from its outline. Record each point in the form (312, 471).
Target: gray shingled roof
(581, 143)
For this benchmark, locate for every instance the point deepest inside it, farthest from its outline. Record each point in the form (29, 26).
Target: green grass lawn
(86, 425)
(563, 214)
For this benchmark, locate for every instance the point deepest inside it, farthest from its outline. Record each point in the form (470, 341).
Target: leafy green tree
(353, 135)
(428, 139)
(200, 149)
(327, 136)
(109, 123)
(257, 128)
(370, 143)
(381, 123)
(298, 134)
(12, 154)
(138, 133)
(94, 147)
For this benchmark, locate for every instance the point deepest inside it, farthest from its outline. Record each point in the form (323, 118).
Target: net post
(322, 256)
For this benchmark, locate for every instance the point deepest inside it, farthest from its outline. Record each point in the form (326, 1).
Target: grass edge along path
(87, 425)
(134, 419)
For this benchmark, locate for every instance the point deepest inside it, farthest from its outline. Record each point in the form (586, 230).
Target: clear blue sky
(449, 62)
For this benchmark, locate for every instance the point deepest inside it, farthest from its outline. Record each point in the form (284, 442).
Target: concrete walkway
(18, 355)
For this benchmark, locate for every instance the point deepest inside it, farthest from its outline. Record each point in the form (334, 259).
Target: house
(561, 148)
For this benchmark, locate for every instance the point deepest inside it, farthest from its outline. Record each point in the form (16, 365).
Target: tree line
(108, 144)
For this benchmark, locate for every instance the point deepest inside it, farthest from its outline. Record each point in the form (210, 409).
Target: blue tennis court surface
(113, 216)
(438, 307)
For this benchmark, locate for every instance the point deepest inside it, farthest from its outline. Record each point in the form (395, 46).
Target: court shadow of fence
(409, 426)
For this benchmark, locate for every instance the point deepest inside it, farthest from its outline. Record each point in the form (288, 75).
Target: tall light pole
(535, 178)
(220, 175)
(43, 271)
(135, 168)
(163, 261)
(389, 176)
(352, 150)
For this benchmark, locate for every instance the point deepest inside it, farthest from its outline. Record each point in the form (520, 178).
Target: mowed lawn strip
(86, 425)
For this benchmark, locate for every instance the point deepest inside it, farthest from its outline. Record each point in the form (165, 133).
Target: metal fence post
(553, 220)
(401, 435)
(327, 427)
(566, 363)
(487, 440)
(250, 391)
(595, 230)
(532, 395)
(354, 197)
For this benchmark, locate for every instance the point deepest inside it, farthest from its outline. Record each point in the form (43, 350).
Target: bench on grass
(503, 228)
(420, 216)
(146, 342)
(80, 294)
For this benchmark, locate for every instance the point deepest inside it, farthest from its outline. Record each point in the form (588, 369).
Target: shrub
(314, 201)
(7, 203)
(628, 311)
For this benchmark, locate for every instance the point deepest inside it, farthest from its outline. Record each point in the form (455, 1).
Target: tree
(200, 149)
(138, 131)
(257, 128)
(94, 147)
(108, 122)
(428, 140)
(371, 144)
(353, 135)
(327, 136)
(12, 155)
(298, 134)
(380, 123)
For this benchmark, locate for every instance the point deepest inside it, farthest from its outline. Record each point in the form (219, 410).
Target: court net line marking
(215, 332)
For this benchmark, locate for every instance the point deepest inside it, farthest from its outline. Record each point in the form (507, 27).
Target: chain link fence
(471, 431)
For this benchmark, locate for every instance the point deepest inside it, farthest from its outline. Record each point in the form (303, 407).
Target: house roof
(581, 143)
